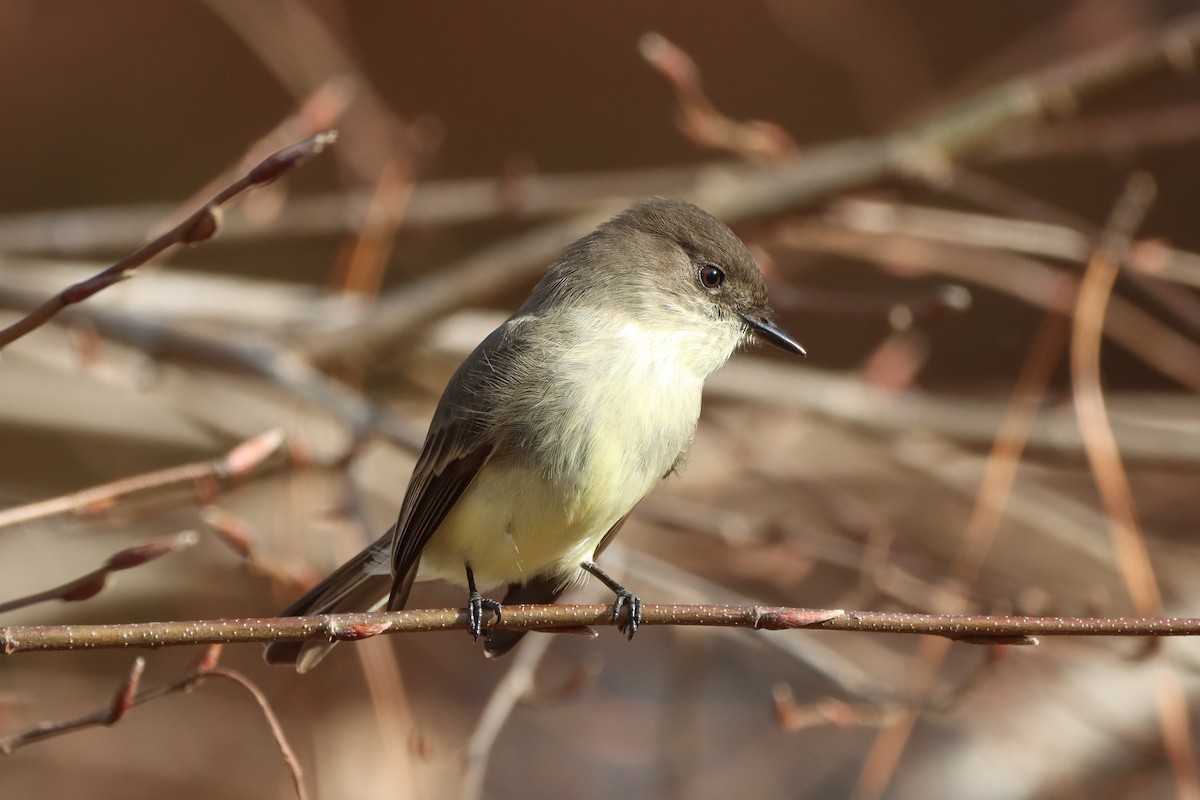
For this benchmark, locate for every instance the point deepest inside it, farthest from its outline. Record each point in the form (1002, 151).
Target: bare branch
(975, 629)
(699, 119)
(91, 584)
(235, 464)
(128, 695)
(1099, 442)
(740, 192)
(201, 225)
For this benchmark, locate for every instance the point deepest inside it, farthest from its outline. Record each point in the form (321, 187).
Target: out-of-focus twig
(1028, 237)
(462, 200)
(924, 150)
(244, 353)
(1158, 345)
(232, 466)
(1168, 434)
(830, 712)
(129, 695)
(87, 586)
(699, 119)
(994, 492)
(515, 686)
(1119, 134)
(1099, 442)
(199, 226)
(290, 575)
(1104, 456)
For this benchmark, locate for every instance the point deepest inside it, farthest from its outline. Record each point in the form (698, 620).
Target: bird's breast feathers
(611, 415)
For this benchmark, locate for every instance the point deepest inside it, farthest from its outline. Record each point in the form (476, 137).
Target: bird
(560, 422)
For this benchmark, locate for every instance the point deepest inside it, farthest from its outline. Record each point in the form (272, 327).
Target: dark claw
(475, 606)
(627, 612)
(627, 608)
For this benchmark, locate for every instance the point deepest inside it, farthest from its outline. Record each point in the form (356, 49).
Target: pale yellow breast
(634, 400)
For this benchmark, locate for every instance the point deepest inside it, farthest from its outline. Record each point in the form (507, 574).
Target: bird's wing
(457, 447)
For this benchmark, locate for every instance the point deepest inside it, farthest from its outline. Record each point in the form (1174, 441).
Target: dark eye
(711, 276)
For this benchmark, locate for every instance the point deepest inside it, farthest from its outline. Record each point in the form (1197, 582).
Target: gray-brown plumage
(562, 419)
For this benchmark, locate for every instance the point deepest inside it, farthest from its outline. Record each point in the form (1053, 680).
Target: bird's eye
(711, 276)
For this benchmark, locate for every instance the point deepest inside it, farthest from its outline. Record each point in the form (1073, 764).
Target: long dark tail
(357, 585)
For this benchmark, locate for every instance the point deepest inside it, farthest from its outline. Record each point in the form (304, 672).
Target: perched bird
(561, 421)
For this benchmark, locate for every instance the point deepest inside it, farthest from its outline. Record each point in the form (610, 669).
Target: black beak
(774, 334)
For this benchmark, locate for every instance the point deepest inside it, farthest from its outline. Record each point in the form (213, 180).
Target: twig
(1028, 237)
(1167, 351)
(123, 699)
(463, 200)
(201, 225)
(737, 193)
(995, 490)
(285, 749)
(128, 695)
(975, 629)
(699, 119)
(1162, 436)
(1099, 442)
(91, 584)
(515, 686)
(235, 464)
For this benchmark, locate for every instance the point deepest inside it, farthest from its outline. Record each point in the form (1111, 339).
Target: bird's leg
(627, 608)
(476, 603)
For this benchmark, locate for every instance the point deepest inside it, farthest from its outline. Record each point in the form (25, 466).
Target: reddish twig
(123, 699)
(238, 462)
(128, 695)
(237, 534)
(699, 119)
(285, 749)
(199, 226)
(91, 584)
(995, 489)
(1099, 443)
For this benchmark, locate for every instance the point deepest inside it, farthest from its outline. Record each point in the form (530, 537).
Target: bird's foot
(627, 608)
(627, 612)
(475, 606)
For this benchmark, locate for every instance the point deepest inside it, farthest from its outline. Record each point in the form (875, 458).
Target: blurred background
(931, 454)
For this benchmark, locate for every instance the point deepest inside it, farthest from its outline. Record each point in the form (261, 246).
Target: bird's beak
(772, 333)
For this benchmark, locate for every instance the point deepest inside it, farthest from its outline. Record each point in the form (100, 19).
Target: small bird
(561, 421)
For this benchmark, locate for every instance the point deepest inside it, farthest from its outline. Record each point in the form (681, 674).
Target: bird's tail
(363, 583)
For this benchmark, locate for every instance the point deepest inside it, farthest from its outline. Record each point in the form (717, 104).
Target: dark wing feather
(458, 445)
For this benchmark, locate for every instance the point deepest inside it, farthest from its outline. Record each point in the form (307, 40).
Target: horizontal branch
(352, 627)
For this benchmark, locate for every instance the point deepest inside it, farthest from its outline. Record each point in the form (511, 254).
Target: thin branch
(264, 705)
(995, 491)
(1157, 344)
(516, 685)
(128, 695)
(698, 118)
(740, 192)
(1099, 442)
(123, 699)
(975, 629)
(454, 201)
(987, 231)
(91, 584)
(199, 226)
(235, 464)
